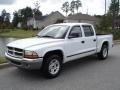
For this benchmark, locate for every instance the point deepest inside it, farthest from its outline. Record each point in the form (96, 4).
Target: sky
(93, 7)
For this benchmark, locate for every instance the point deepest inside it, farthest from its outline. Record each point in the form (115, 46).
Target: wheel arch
(51, 52)
(101, 54)
(105, 43)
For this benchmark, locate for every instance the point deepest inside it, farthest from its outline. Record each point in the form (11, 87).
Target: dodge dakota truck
(57, 44)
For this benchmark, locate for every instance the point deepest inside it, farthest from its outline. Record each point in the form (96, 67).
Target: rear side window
(88, 30)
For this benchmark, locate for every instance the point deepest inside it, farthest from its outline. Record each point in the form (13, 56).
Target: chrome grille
(15, 52)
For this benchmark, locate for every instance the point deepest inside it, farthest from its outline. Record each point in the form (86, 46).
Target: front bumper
(25, 63)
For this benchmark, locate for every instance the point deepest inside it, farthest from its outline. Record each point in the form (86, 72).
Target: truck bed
(103, 37)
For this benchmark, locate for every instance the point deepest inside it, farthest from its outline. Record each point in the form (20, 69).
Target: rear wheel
(103, 53)
(52, 66)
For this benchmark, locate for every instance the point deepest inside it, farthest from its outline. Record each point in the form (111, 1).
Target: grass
(18, 33)
(2, 60)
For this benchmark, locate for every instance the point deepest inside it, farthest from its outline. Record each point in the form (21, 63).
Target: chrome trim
(15, 52)
(25, 63)
(19, 59)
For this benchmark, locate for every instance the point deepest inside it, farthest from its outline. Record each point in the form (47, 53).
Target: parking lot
(84, 74)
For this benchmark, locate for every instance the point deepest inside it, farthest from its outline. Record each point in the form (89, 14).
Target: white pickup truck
(58, 44)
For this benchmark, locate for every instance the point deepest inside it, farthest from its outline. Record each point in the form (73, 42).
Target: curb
(5, 65)
(116, 42)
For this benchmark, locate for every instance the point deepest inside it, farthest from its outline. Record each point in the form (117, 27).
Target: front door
(75, 43)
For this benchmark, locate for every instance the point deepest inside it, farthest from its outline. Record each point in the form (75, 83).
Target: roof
(72, 24)
(81, 16)
(46, 16)
(57, 12)
(40, 17)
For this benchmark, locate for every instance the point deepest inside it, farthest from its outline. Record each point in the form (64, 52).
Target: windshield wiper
(38, 36)
(47, 36)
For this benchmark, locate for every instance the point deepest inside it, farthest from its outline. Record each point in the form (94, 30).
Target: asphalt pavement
(84, 74)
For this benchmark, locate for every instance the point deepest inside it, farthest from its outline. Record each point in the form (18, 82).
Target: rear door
(89, 38)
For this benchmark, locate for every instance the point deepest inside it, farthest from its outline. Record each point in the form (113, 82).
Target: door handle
(94, 40)
(82, 41)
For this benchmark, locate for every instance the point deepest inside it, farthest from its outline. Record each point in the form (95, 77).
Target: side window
(88, 30)
(75, 32)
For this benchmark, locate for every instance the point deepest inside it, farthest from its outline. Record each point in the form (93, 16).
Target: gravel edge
(5, 65)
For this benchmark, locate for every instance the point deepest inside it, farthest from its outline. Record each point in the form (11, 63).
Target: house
(34, 22)
(19, 25)
(117, 23)
(43, 21)
(83, 18)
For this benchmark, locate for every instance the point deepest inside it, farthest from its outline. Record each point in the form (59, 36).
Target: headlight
(30, 55)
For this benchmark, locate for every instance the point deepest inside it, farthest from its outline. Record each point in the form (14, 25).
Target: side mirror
(73, 35)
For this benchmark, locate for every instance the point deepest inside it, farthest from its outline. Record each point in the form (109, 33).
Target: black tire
(103, 53)
(49, 65)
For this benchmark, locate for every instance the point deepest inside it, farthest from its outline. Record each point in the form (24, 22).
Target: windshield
(55, 31)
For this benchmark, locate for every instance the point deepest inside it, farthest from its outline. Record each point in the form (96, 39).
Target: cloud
(43, 0)
(51, 1)
(7, 1)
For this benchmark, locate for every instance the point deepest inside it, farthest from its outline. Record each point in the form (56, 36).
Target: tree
(77, 4)
(65, 7)
(21, 16)
(7, 18)
(37, 5)
(3, 15)
(25, 13)
(108, 20)
(72, 7)
(114, 11)
(15, 19)
(114, 7)
(1, 19)
(36, 10)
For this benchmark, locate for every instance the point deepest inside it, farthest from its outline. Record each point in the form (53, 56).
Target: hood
(29, 42)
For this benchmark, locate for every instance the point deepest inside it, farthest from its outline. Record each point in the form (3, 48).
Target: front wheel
(52, 66)
(103, 53)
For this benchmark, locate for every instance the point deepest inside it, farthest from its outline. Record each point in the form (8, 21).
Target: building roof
(41, 18)
(38, 17)
(81, 16)
(57, 12)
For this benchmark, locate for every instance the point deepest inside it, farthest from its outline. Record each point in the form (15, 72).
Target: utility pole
(105, 15)
(105, 6)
